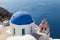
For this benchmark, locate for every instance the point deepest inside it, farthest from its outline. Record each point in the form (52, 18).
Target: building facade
(21, 23)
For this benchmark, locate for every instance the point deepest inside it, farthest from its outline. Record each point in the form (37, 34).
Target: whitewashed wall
(33, 25)
(18, 29)
(26, 37)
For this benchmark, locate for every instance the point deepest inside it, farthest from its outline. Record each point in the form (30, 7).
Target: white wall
(33, 25)
(26, 37)
(18, 29)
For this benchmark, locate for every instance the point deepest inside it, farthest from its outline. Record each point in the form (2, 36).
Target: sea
(39, 10)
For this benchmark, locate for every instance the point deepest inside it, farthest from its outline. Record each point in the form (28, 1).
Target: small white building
(21, 23)
(3, 33)
(1, 29)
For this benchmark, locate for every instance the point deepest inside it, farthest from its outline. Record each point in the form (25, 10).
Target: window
(14, 30)
(23, 31)
(31, 29)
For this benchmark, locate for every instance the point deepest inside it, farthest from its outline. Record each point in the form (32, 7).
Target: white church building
(21, 23)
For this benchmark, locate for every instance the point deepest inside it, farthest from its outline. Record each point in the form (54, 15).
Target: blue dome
(21, 18)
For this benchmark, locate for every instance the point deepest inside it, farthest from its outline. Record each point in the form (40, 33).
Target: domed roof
(21, 18)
